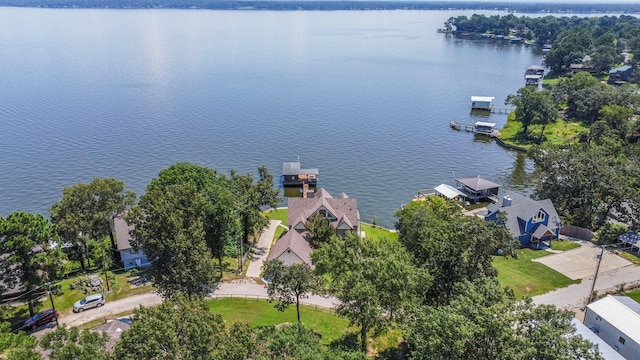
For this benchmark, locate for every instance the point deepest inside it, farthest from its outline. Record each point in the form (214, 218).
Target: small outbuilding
(293, 175)
(615, 320)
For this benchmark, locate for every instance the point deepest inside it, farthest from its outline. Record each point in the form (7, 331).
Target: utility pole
(593, 285)
(53, 306)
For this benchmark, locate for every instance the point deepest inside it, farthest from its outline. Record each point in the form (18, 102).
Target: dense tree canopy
(169, 227)
(85, 212)
(589, 183)
(30, 260)
(374, 280)
(482, 321)
(451, 246)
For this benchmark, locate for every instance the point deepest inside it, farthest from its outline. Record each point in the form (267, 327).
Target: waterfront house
(293, 175)
(481, 102)
(530, 221)
(130, 257)
(342, 212)
(616, 319)
(620, 74)
(477, 189)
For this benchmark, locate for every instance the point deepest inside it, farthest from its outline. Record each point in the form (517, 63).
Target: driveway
(262, 250)
(581, 262)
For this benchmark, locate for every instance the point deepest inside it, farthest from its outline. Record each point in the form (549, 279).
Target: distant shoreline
(552, 8)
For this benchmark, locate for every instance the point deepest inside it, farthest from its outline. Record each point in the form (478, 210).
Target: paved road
(262, 250)
(111, 308)
(246, 288)
(573, 297)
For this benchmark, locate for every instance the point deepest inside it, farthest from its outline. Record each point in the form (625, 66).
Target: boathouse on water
(477, 189)
(481, 102)
(293, 175)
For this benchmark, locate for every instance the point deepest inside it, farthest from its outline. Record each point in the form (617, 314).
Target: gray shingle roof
(294, 241)
(525, 208)
(300, 209)
(293, 168)
(477, 183)
(122, 232)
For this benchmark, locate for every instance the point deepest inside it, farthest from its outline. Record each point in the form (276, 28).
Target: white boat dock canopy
(482, 99)
(484, 124)
(448, 191)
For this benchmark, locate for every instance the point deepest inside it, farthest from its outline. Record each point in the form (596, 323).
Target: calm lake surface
(365, 97)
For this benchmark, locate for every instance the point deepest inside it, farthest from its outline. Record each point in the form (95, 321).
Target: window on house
(132, 251)
(539, 216)
(323, 213)
(621, 340)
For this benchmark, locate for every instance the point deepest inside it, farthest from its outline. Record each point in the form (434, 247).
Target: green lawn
(378, 232)
(277, 214)
(529, 278)
(261, 312)
(564, 245)
(634, 294)
(629, 256)
(560, 132)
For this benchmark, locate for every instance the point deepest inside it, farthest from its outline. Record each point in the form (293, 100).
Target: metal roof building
(616, 320)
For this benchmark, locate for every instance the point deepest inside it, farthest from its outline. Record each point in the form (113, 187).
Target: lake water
(365, 97)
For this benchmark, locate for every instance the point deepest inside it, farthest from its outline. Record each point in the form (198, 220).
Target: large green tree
(220, 218)
(374, 280)
(176, 329)
(86, 212)
(320, 230)
(482, 321)
(451, 246)
(169, 227)
(18, 346)
(64, 344)
(589, 183)
(30, 260)
(250, 197)
(288, 284)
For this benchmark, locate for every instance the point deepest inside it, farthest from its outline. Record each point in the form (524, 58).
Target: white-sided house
(616, 320)
(292, 248)
(607, 352)
(130, 258)
(342, 212)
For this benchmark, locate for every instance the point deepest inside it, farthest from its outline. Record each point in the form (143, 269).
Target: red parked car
(41, 318)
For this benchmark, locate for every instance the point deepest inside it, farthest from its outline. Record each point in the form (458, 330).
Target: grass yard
(634, 294)
(277, 214)
(564, 245)
(560, 132)
(378, 232)
(260, 312)
(629, 256)
(528, 278)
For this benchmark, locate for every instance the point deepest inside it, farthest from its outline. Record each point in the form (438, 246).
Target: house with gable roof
(342, 213)
(130, 257)
(530, 221)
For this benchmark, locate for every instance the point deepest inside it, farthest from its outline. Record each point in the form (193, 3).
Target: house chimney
(506, 201)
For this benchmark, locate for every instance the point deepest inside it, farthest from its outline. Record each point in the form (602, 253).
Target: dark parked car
(41, 318)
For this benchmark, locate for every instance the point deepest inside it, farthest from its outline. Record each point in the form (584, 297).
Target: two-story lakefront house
(342, 213)
(530, 221)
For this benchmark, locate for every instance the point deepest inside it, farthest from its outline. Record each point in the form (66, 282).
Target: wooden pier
(462, 126)
(479, 127)
(500, 110)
